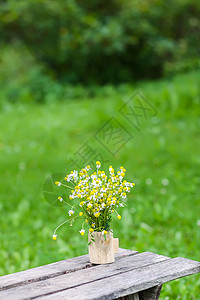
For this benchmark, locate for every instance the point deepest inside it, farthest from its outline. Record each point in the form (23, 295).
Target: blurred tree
(105, 41)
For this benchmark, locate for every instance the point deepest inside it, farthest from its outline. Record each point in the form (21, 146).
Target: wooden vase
(102, 251)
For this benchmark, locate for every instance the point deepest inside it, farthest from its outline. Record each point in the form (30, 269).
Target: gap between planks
(83, 277)
(51, 270)
(130, 282)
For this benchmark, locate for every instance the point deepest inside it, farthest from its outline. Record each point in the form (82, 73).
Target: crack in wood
(92, 281)
(43, 278)
(53, 275)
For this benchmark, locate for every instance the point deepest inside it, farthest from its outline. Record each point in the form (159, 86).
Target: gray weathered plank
(151, 294)
(52, 270)
(84, 276)
(130, 297)
(127, 283)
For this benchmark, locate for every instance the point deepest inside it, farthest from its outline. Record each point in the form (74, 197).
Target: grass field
(163, 159)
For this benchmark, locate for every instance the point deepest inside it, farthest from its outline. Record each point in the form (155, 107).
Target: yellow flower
(54, 237)
(80, 214)
(97, 162)
(91, 230)
(119, 217)
(97, 215)
(82, 232)
(58, 183)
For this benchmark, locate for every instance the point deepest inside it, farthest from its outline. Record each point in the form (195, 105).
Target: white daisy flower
(54, 236)
(104, 232)
(70, 212)
(82, 231)
(124, 196)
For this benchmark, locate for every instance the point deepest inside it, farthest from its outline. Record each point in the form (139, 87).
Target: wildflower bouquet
(95, 197)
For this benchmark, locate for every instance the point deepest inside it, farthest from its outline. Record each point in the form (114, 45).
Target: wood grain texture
(102, 251)
(133, 276)
(53, 270)
(130, 297)
(82, 277)
(130, 282)
(151, 294)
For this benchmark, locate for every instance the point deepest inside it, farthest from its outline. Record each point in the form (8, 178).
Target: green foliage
(22, 80)
(105, 41)
(35, 141)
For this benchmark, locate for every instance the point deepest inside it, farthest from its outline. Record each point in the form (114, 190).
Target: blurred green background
(66, 67)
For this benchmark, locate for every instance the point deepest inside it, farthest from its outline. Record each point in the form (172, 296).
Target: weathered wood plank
(130, 297)
(151, 294)
(52, 270)
(84, 276)
(127, 283)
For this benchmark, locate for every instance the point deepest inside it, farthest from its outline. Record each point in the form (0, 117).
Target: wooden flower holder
(102, 251)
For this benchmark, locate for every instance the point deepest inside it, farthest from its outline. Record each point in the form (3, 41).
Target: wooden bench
(136, 276)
